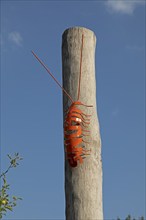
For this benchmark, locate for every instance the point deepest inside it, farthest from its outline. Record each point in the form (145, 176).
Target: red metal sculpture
(75, 123)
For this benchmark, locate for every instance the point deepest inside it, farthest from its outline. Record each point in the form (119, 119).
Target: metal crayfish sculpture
(76, 123)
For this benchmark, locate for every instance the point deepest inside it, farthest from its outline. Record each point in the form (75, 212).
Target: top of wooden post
(82, 29)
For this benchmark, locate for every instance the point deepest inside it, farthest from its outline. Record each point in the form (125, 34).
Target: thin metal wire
(41, 62)
(80, 66)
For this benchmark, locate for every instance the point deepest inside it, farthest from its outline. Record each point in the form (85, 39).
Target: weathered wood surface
(83, 185)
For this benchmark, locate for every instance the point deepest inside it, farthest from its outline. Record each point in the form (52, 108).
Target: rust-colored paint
(74, 134)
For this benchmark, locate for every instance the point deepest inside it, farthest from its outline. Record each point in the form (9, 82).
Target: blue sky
(31, 103)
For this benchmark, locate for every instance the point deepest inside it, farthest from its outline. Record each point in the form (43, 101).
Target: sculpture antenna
(41, 62)
(80, 66)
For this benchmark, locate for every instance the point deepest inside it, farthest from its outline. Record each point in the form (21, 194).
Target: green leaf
(4, 180)
(9, 207)
(9, 156)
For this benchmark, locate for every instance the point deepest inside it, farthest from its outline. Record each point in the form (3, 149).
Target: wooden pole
(83, 184)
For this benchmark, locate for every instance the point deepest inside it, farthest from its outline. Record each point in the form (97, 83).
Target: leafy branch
(7, 203)
(13, 163)
(130, 218)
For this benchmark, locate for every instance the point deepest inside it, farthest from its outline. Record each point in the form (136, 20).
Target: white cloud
(123, 6)
(16, 38)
